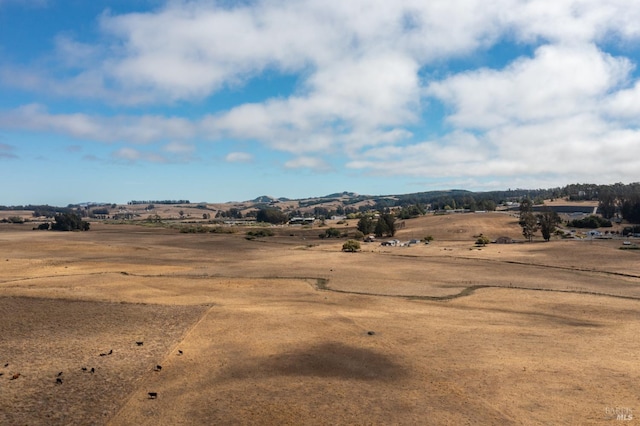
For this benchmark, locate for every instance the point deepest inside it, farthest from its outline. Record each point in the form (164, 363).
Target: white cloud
(133, 155)
(239, 157)
(179, 148)
(313, 163)
(559, 81)
(130, 129)
(364, 69)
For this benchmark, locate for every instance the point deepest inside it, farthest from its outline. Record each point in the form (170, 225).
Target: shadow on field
(331, 360)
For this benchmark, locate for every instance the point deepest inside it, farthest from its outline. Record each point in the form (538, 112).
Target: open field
(276, 330)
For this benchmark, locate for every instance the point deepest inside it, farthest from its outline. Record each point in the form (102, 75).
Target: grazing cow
(6, 365)
(110, 352)
(153, 395)
(103, 354)
(84, 368)
(158, 368)
(371, 333)
(93, 370)
(15, 376)
(60, 374)
(139, 343)
(58, 381)
(179, 352)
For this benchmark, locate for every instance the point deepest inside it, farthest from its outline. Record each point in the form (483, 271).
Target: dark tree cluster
(411, 211)
(385, 226)
(233, 213)
(133, 202)
(545, 221)
(271, 215)
(590, 222)
(69, 222)
(548, 220)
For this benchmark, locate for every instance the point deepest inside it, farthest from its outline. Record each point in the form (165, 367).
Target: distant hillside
(621, 200)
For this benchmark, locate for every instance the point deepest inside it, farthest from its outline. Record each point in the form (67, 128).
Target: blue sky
(225, 101)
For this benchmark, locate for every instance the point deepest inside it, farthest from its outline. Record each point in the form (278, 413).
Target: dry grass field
(290, 330)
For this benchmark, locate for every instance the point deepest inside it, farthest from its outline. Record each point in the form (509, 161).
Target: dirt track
(262, 345)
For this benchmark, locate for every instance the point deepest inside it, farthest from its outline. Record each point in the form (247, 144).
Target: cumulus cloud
(559, 81)
(557, 114)
(368, 71)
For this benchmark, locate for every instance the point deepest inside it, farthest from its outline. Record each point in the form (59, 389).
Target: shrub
(222, 230)
(331, 233)
(351, 246)
(193, 229)
(482, 240)
(261, 233)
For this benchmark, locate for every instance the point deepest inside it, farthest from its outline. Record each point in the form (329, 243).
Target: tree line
(133, 202)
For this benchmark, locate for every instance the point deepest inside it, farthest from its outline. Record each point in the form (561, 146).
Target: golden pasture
(290, 330)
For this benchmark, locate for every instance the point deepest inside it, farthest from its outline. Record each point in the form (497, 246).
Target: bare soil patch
(42, 338)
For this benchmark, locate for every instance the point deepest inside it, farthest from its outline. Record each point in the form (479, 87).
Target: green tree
(271, 215)
(366, 225)
(381, 228)
(548, 221)
(69, 222)
(386, 225)
(608, 203)
(482, 240)
(351, 246)
(528, 221)
(331, 233)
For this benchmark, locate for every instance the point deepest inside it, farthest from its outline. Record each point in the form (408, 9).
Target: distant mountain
(341, 194)
(264, 199)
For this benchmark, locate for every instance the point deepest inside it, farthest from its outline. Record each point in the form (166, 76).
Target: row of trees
(617, 200)
(134, 202)
(385, 225)
(546, 221)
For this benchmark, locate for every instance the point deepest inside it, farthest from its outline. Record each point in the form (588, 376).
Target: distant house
(391, 243)
(302, 220)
